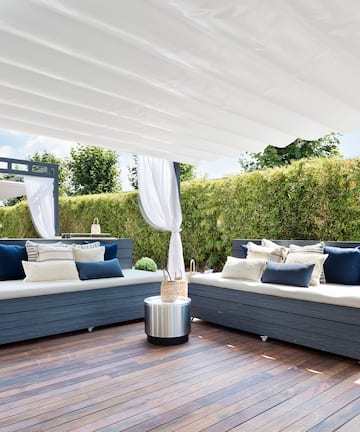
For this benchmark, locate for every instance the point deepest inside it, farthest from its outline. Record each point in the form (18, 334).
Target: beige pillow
(92, 254)
(315, 248)
(52, 252)
(271, 244)
(309, 258)
(247, 269)
(50, 271)
(268, 253)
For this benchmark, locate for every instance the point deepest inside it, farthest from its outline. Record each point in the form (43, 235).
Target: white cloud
(38, 144)
(14, 132)
(8, 152)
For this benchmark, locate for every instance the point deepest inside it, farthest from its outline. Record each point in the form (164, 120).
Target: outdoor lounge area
(112, 379)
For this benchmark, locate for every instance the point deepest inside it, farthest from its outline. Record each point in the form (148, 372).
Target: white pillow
(270, 244)
(50, 271)
(48, 252)
(32, 249)
(268, 253)
(92, 254)
(315, 248)
(248, 269)
(86, 245)
(309, 258)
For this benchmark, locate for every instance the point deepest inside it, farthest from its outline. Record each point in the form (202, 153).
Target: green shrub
(317, 199)
(146, 263)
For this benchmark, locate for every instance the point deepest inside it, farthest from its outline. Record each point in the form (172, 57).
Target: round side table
(167, 323)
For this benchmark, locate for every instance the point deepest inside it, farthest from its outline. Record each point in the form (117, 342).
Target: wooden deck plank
(113, 380)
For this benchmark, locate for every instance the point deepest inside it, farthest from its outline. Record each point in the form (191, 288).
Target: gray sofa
(30, 310)
(327, 319)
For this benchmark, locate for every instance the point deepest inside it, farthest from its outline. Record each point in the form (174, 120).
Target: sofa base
(32, 317)
(331, 328)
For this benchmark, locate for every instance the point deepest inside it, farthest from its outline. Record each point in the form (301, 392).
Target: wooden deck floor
(113, 380)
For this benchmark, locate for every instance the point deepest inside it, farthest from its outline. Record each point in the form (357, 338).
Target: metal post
(177, 173)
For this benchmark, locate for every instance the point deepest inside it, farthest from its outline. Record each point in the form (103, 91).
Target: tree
(132, 173)
(187, 172)
(63, 172)
(274, 156)
(93, 170)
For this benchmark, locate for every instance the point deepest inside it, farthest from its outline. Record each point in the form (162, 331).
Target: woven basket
(168, 289)
(181, 285)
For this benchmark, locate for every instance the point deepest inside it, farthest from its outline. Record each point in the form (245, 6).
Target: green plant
(93, 170)
(316, 199)
(273, 156)
(146, 263)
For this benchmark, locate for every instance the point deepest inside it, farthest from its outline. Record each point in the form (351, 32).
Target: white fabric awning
(11, 189)
(183, 80)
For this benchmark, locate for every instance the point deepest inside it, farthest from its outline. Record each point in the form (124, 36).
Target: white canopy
(183, 80)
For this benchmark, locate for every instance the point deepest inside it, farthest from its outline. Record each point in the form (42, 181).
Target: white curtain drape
(160, 204)
(39, 193)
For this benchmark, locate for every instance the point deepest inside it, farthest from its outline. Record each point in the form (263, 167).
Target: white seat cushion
(341, 295)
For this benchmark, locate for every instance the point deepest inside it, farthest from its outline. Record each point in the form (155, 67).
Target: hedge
(317, 199)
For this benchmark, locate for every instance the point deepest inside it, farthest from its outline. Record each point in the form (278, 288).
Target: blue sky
(19, 145)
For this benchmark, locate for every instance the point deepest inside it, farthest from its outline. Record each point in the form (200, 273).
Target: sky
(19, 145)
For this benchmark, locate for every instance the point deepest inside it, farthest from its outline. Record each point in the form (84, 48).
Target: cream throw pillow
(52, 252)
(91, 254)
(309, 258)
(271, 244)
(268, 253)
(50, 271)
(247, 269)
(315, 248)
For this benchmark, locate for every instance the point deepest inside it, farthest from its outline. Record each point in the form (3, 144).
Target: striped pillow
(86, 245)
(54, 253)
(32, 249)
(315, 248)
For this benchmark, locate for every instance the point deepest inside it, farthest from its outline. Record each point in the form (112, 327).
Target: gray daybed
(326, 317)
(34, 309)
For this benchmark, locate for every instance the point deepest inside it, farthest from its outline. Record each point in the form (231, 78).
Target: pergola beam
(22, 167)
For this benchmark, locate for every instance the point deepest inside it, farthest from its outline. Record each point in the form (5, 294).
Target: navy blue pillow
(342, 266)
(99, 269)
(288, 274)
(244, 250)
(110, 251)
(10, 262)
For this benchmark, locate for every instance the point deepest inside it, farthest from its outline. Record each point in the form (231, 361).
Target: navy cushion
(110, 251)
(342, 265)
(288, 274)
(10, 262)
(99, 269)
(244, 250)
